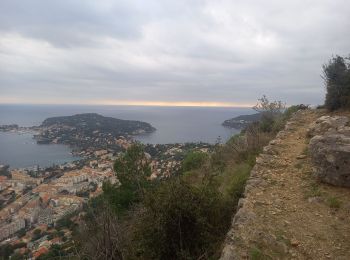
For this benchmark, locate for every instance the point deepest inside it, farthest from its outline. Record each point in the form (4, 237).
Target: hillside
(286, 213)
(242, 121)
(91, 122)
(89, 131)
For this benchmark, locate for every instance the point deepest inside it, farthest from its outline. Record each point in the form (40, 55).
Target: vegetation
(336, 75)
(334, 202)
(37, 234)
(102, 236)
(186, 216)
(194, 160)
(256, 254)
(133, 171)
(55, 252)
(270, 111)
(181, 221)
(274, 114)
(65, 222)
(90, 122)
(7, 250)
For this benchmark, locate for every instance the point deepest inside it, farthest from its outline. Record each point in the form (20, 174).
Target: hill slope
(286, 213)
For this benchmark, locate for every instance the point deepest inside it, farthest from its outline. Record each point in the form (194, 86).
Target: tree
(6, 250)
(36, 234)
(133, 168)
(336, 75)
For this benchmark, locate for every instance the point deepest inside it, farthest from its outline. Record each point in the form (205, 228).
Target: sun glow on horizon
(175, 103)
(128, 103)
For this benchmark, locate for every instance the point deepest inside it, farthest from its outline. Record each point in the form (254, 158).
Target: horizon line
(140, 103)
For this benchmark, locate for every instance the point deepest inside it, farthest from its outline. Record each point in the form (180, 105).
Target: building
(73, 178)
(45, 216)
(10, 229)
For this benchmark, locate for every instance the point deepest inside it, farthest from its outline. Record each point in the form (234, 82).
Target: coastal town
(35, 201)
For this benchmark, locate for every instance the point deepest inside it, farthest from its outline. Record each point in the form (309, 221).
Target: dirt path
(287, 214)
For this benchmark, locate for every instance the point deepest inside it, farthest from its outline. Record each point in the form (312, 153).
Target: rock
(330, 155)
(316, 199)
(286, 222)
(326, 123)
(275, 141)
(240, 203)
(294, 242)
(243, 215)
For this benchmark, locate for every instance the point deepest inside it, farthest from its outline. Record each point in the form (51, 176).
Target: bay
(173, 124)
(21, 151)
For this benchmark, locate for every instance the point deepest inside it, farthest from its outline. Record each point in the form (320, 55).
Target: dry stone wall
(236, 240)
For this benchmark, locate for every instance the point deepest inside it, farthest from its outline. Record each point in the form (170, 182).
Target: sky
(179, 52)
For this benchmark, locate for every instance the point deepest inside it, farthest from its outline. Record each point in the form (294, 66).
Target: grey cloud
(220, 51)
(68, 23)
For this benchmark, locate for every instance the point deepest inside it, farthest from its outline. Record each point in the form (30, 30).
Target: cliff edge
(286, 212)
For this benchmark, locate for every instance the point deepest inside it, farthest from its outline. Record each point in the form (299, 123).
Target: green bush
(181, 221)
(333, 202)
(194, 160)
(237, 183)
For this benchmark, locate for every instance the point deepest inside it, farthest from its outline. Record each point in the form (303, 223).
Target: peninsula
(89, 130)
(242, 121)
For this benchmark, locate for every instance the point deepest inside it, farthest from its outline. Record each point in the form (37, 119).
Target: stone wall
(246, 215)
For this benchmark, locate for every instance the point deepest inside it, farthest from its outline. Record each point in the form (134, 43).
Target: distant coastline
(242, 121)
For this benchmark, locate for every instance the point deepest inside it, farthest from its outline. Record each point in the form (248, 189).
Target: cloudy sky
(168, 52)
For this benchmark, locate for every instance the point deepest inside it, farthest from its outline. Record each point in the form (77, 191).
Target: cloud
(168, 51)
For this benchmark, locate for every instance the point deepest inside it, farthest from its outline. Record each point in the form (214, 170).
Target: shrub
(181, 222)
(194, 160)
(334, 202)
(101, 236)
(270, 111)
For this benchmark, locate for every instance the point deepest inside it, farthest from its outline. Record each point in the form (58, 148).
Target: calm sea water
(20, 150)
(174, 124)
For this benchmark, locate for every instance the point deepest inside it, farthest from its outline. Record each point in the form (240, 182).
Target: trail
(286, 213)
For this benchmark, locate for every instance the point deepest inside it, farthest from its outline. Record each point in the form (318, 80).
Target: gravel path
(286, 213)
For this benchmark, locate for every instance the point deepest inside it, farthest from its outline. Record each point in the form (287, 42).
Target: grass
(280, 237)
(314, 191)
(235, 183)
(333, 202)
(256, 254)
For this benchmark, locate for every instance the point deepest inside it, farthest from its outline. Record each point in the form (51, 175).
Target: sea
(173, 124)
